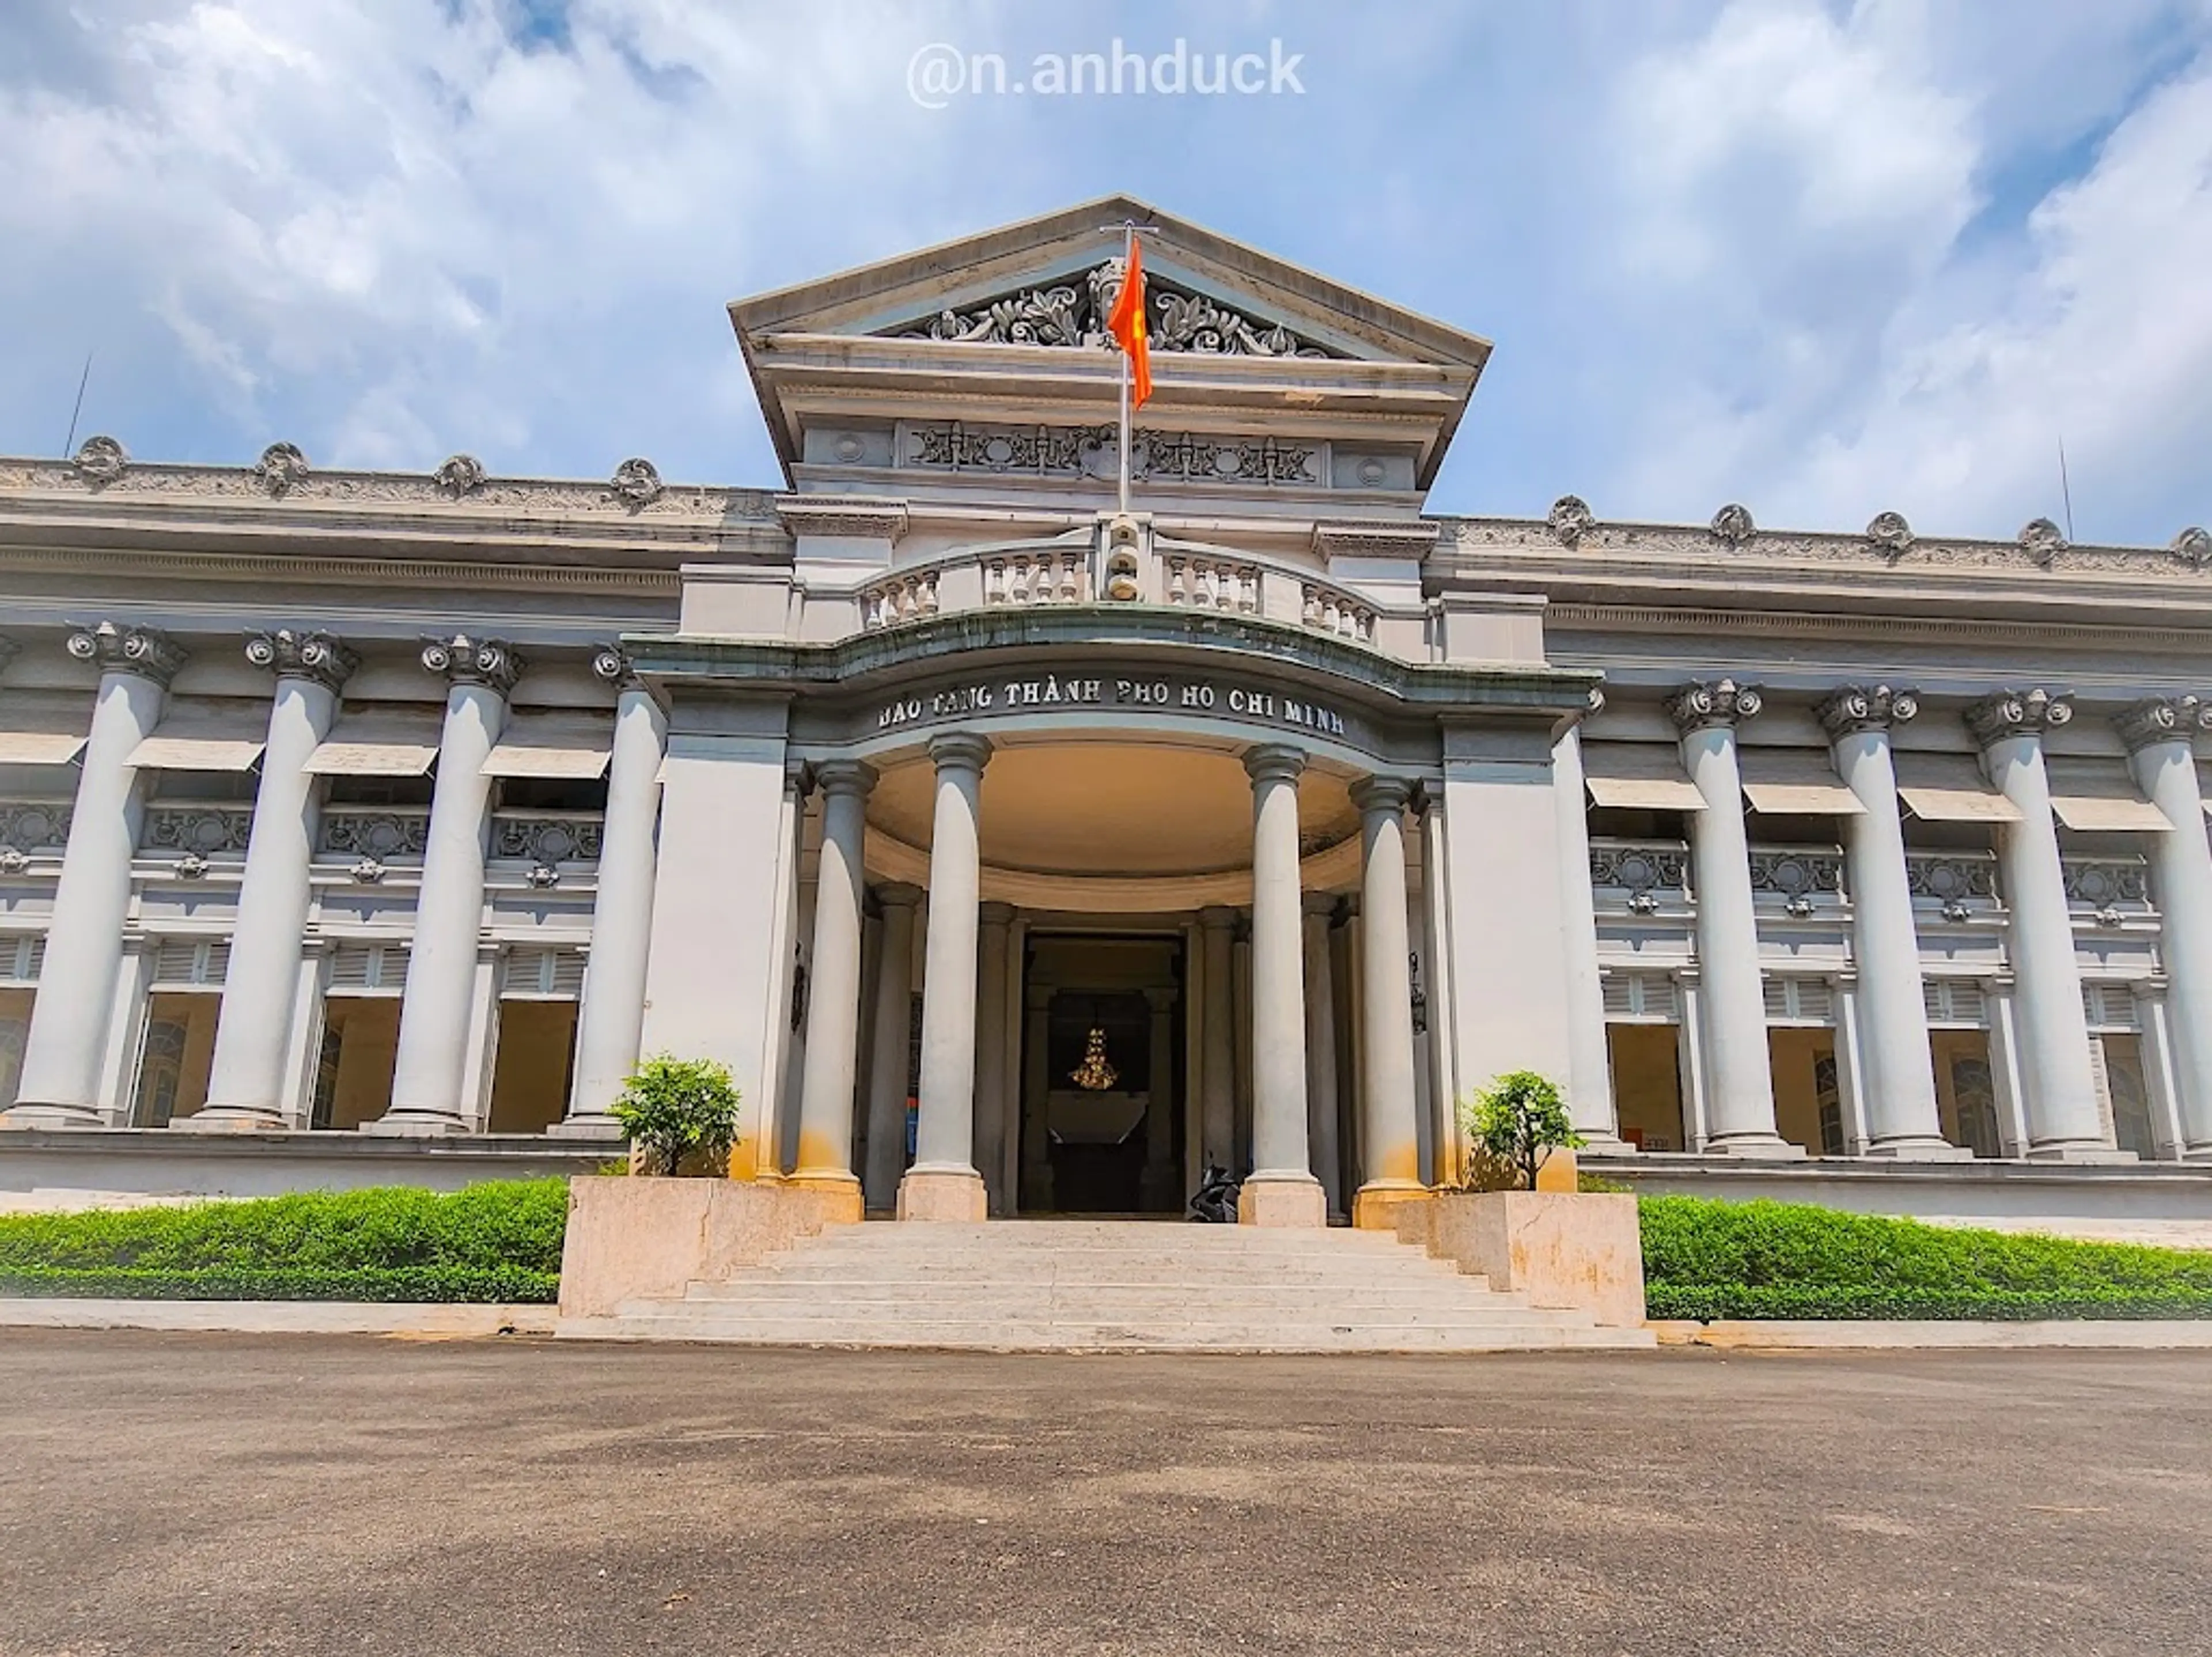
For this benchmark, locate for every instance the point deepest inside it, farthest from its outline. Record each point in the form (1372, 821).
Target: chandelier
(1094, 1075)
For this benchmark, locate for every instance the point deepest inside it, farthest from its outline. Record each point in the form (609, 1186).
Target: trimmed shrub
(1706, 1260)
(499, 1240)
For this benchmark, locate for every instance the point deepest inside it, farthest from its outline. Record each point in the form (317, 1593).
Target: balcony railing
(547, 837)
(378, 833)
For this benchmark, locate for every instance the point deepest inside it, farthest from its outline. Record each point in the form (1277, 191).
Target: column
(943, 1183)
(887, 1075)
(1035, 1194)
(2058, 1081)
(67, 1046)
(1898, 1067)
(1321, 1084)
(833, 994)
(428, 1074)
(2158, 731)
(1217, 1039)
(1739, 1088)
(1590, 1061)
(611, 1020)
(1161, 1188)
(1390, 1127)
(260, 995)
(1281, 1190)
(993, 922)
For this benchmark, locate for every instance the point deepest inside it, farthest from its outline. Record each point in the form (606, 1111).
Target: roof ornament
(1571, 518)
(1733, 524)
(2193, 546)
(461, 475)
(100, 460)
(1890, 534)
(280, 467)
(636, 483)
(2042, 540)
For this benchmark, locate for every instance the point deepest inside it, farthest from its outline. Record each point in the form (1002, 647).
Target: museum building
(1022, 854)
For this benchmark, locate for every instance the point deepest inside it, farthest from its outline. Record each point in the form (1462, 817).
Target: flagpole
(1128, 247)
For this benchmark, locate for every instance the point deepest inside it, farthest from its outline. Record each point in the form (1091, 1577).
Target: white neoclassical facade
(1021, 856)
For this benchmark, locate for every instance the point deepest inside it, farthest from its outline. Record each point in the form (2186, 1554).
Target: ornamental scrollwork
(1713, 702)
(1068, 314)
(147, 651)
(1078, 451)
(100, 460)
(1795, 874)
(1890, 535)
(546, 840)
(2003, 714)
(196, 830)
(1639, 868)
(2042, 540)
(2101, 882)
(280, 468)
(636, 483)
(465, 660)
(1949, 878)
(2163, 719)
(1853, 708)
(291, 654)
(35, 825)
(375, 835)
(461, 475)
(1569, 520)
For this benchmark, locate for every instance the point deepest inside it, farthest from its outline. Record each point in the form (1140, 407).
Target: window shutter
(20, 960)
(2108, 1007)
(1641, 997)
(190, 963)
(545, 974)
(1798, 1001)
(365, 968)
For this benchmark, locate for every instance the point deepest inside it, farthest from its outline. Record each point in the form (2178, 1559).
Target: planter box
(1562, 1250)
(645, 1238)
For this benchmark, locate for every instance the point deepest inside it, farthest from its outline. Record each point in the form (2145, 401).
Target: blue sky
(1827, 259)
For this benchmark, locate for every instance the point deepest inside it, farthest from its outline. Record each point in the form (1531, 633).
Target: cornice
(260, 568)
(1567, 617)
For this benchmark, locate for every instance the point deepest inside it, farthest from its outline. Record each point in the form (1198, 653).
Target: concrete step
(1285, 1297)
(1002, 1335)
(1105, 1285)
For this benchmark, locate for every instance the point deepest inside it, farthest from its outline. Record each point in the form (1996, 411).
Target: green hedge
(499, 1240)
(1711, 1259)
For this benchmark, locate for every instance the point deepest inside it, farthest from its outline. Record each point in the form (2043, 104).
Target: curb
(437, 1320)
(1783, 1335)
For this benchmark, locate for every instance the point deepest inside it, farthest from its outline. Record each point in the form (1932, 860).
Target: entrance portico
(1092, 802)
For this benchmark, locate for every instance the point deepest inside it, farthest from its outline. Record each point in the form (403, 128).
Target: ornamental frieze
(1090, 452)
(35, 825)
(196, 830)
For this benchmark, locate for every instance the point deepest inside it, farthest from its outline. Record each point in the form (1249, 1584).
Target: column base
(1918, 1150)
(587, 1127)
(53, 1116)
(229, 1118)
(841, 1193)
(1282, 1199)
(1606, 1144)
(413, 1124)
(2079, 1151)
(1758, 1147)
(2188, 1153)
(944, 1194)
(1375, 1205)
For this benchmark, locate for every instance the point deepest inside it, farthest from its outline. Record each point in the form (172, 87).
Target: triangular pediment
(1048, 281)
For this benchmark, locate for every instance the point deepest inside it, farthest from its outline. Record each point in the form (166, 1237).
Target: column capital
(464, 659)
(1387, 794)
(1217, 917)
(290, 654)
(1707, 703)
(612, 663)
(1163, 999)
(1320, 903)
(798, 776)
(2003, 714)
(1275, 762)
(960, 751)
(996, 914)
(2158, 719)
(898, 894)
(854, 777)
(1851, 709)
(146, 651)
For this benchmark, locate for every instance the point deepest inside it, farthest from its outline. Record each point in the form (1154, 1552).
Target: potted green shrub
(1512, 1126)
(676, 1112)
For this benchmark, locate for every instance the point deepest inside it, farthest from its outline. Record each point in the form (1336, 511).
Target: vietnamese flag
(1127, 325)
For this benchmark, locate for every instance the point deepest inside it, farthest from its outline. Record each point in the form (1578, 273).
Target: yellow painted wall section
(529, 1074)
(1647, 1084)
(368, 1029)
(1793, 1055)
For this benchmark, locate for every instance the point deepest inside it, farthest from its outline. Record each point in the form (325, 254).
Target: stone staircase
(1105, 1285)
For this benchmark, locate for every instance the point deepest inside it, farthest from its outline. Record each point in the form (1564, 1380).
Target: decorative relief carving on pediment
(1073, 314)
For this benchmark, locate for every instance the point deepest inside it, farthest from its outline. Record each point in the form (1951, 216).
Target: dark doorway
(1102, 1122)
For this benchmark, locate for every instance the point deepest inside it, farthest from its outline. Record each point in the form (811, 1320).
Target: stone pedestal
(954, 1194)
(1281, 1200)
